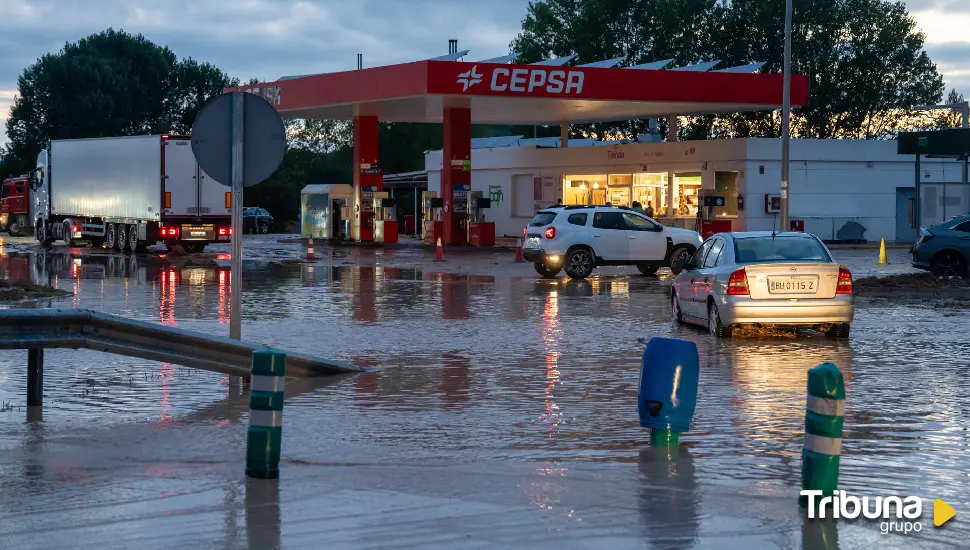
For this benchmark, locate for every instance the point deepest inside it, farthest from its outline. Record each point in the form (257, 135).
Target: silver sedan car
(763, 278)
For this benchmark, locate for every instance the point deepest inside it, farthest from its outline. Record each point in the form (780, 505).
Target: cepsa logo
(269, 94)
(503, 79)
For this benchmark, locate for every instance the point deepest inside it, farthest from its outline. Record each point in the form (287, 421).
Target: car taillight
(550, 232)
(738, 283)
(525, 231)
(845, 282)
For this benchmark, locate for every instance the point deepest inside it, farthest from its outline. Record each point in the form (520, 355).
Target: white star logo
(469, 78)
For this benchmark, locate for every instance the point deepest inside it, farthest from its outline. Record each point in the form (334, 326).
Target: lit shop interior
(672, 195)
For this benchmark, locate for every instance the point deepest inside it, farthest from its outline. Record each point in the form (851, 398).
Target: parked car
(763, 278)
(257, 220)
(944, 248)
(581, 238)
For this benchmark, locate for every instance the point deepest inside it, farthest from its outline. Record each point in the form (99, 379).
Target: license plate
(532, 242)
(793, 285)
(201, 233)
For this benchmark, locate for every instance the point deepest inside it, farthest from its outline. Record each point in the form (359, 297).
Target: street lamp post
(786, 120)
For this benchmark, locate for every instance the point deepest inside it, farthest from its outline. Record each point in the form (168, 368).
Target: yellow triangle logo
(942, 512)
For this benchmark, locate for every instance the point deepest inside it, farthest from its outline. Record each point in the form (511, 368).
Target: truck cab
(15, 205)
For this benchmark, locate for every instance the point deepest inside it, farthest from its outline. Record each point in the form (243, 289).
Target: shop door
(609, 235)
(904, 215)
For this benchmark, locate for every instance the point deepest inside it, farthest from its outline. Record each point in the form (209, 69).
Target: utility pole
(786, 120)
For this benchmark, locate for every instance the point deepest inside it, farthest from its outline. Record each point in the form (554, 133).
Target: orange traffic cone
(439, 253)
(519, 258)
(310, 253)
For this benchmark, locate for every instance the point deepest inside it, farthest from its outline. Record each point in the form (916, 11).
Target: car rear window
(542, 218)
(779, 249)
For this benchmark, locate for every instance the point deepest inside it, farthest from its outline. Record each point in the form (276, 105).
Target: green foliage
(107, 84)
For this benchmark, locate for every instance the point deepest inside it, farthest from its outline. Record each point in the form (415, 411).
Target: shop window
(726, 185)
(585, 189)
(650, 190)
(577, 219)
(620, 189)
(686, 189)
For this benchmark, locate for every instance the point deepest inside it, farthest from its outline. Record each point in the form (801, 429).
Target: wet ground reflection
(496, 368)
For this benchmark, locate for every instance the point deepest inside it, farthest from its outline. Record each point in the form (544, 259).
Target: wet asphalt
(499, 411)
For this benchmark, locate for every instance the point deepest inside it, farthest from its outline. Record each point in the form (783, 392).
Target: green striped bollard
(823, 431)
(265, 435)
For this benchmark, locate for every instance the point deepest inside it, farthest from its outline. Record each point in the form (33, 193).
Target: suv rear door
(609, 235)
(645, 239)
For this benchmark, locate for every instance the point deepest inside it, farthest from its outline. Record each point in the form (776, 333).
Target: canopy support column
(456, 175)
(368, 177)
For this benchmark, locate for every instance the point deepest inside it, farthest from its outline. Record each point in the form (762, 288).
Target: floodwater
(500, 411)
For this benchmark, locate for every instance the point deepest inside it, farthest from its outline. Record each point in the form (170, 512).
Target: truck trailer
(127, 193)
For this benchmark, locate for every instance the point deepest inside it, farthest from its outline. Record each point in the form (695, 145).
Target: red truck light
(224, 231)
(169, 231)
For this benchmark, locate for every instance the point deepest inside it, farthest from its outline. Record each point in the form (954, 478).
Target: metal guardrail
(35, 329)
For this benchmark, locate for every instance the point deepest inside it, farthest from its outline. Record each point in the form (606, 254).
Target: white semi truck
(127, 193)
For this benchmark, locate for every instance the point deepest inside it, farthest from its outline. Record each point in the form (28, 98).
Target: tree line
(864, 59)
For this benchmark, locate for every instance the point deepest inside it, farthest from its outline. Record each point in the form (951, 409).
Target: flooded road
(501, 411)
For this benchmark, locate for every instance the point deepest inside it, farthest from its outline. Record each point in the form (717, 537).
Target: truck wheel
(42, 236)
(15, 229)
(68, 233)
(122, 242)
(193, 248)
(111, 236)
(132, 239)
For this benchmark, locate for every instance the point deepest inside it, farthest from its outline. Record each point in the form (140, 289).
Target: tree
(107, 84)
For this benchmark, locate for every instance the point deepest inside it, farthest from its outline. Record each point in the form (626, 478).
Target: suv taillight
(550, 232)
(845, 282)
(738, 283)
(525, 231)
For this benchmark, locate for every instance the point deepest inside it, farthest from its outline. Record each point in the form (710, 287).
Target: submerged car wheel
(264, 227)
(546, 271)
(681, 253)
(949, 263)
(714, 325)
(675, 310)
(647, 269)
(579, 263)
(840, 331)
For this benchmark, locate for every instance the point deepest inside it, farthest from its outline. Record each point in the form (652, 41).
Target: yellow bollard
(883, 260)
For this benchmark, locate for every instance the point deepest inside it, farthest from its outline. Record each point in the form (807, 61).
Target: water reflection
(669, 501)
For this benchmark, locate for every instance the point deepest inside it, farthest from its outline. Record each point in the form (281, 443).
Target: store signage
(269, 94)
(504, 79)
(614, 155)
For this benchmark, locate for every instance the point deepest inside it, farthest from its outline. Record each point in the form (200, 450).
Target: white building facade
(833, 183)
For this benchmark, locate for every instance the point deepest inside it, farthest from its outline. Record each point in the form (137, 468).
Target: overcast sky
(267, 39)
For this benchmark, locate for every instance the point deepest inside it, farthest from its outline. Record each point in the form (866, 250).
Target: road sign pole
(238, 126)
(785, 121)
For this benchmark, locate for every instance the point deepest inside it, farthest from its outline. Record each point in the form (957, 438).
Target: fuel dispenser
(432, 226)
(459, 223)
(480, 232)
(385, 219)
(365, 214)
(707, 224)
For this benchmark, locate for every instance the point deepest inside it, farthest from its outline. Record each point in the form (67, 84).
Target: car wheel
(579, 263)
(547, 272)
(840, 331)
(111, 236)
(680, 252)
(949, 264)
(647, 269)
(264, 227)
(675, 310)
(714, 325)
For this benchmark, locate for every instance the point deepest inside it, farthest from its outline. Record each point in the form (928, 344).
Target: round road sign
(264, 139)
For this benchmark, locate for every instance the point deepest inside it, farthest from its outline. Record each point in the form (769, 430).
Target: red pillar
(368, 177)
(456, 171)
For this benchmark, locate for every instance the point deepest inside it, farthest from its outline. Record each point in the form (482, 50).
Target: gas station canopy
(498, 93)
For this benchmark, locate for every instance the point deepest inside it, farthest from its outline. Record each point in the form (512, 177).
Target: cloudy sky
(271, 38)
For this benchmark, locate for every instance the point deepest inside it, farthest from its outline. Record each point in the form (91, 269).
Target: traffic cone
(310, 253)
(519, 258)
(883, 260)
(439, 253)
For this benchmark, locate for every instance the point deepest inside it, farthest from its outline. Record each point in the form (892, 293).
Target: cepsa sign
(271, 94)
(525, 81)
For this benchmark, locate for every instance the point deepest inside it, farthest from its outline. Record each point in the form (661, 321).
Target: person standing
(649, 210)
(637, 207)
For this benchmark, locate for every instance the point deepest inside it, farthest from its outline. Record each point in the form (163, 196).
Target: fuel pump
(707, 224)
(480, 232)
(459, 227)
(365, 214)
(431, 224)
(385, 219)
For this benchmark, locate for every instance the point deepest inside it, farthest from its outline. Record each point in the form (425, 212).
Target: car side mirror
(680, 263)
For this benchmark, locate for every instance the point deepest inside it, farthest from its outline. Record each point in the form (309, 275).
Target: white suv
(579, 238)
